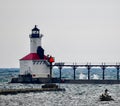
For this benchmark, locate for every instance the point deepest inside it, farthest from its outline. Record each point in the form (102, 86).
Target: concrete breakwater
(27, 90)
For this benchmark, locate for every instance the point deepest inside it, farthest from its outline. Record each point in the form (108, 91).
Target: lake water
(75, 94)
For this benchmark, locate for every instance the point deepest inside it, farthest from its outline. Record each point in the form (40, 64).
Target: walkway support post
(50, 72)
(117, 67)
(60, 68)
(88, 67)
(74, 68)
(103, 68)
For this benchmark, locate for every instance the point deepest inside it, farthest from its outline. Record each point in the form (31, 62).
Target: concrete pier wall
(64, 81)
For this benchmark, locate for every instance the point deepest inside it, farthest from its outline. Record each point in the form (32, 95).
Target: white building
(35, 63)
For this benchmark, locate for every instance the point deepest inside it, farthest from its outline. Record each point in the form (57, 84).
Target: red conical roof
(31, 56)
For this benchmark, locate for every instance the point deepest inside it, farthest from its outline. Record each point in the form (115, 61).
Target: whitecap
(95, 76)
(82, 76)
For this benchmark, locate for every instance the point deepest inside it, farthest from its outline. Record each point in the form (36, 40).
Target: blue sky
(74, 30)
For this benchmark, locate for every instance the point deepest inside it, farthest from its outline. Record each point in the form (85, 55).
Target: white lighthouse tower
(35, 63)
(35, 40)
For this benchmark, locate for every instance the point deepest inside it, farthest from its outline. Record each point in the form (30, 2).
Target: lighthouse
(36, 63)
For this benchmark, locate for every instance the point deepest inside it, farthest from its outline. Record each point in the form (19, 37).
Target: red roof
(31, 56)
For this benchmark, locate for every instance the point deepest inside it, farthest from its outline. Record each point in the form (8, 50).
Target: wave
(82, 76)
(95, 76)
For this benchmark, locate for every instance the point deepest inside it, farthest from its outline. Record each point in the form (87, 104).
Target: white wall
(25, 66)
(34, 43)
(35, 67)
